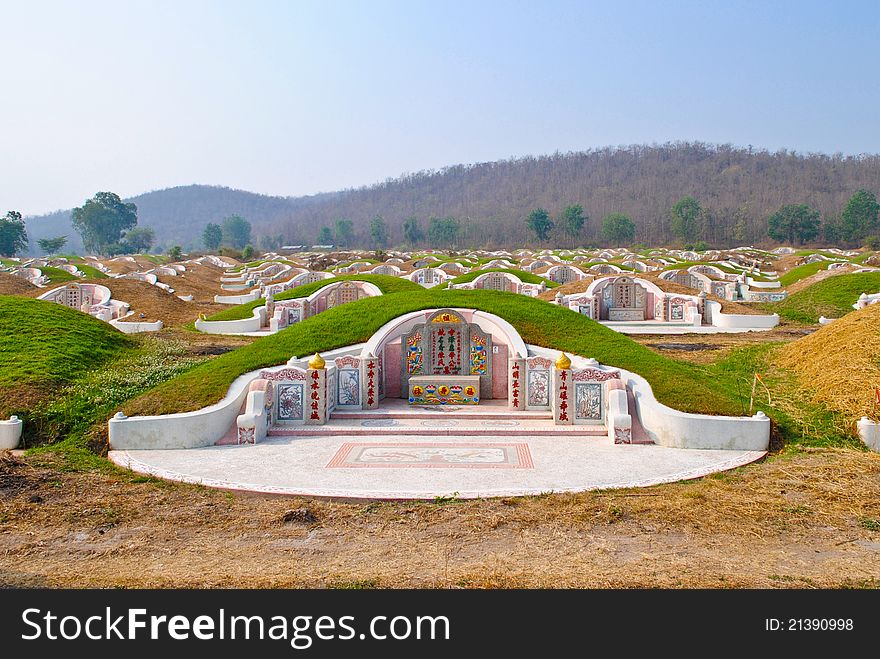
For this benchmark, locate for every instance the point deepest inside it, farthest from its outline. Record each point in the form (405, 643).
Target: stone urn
(10, 432)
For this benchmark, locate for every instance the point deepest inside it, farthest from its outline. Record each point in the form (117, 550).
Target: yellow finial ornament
(563, 363)
(317, 362)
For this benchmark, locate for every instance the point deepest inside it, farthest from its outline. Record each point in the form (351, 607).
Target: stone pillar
(369, 382)
(701, 305)
(516, 373)
(316, 392)
(562, 391)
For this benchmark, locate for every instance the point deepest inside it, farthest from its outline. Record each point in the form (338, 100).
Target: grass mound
(57, 275)
(46, 345)
(386, 284)
(678, 384)
(525, 277)
(840, 363)
(832, 297)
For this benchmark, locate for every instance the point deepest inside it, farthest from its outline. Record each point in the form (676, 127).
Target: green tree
(443, 231)
(236, 231)
(325, 236)
(52, 245)
(212, 237)
(378, 232)
(344, 233)
(137, 240)
(540, 224)
(572, 220)
(175, 253)
(101, 220)
(618, 228)
(832, 230)
(248, 252)
(794, 223)
(13, 235)
(412, 231)
(684, 219)
(859, 216)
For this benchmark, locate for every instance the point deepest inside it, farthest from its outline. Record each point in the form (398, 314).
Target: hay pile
(840, 364)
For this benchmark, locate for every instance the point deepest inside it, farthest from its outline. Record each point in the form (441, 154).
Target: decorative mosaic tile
(432, 455)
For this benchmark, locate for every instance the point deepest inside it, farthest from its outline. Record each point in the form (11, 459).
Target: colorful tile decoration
(446, 317)
(435, 455)
(443, 393)
(414, 354)
(479, 364)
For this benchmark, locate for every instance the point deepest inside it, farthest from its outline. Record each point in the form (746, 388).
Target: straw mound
(840, 363)
(11, 285)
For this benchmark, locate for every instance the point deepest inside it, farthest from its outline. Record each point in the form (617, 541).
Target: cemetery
(471, 377)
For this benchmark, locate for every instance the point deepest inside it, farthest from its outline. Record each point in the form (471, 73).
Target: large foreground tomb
(436, 402)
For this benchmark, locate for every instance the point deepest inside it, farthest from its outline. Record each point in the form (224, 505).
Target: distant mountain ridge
(738, 187)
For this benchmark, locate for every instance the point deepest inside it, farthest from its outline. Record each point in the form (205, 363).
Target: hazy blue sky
(293, 98)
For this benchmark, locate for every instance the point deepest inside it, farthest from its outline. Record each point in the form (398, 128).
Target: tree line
(486, 204)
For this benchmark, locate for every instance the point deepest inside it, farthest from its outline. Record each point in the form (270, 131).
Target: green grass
(832, 297)
(678, 384)
(90, 272)
(57, 275)
(802, 271)
(386, 284)
(526, 277)
(47, 342)
(799, 420)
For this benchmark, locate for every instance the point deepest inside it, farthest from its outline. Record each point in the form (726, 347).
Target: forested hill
(737, 188)
(179, 215)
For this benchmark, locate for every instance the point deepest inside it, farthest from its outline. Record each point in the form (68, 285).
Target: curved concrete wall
(740, 320)
(186, 430)
(239, 326)
(203, 427)
(135, 327)
(762, 284)
(670, 427)
(252, 296)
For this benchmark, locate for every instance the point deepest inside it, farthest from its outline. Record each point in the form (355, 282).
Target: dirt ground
(12, 285)
(709, 348)
(155, 303)
(804, 520)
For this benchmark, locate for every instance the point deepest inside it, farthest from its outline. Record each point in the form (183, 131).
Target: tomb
(275, 315)
(502, 281)
(460, 361)
(428, 277)
(93, 299)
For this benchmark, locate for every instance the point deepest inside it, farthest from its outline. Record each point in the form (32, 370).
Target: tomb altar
(449, 355)
(444, 390)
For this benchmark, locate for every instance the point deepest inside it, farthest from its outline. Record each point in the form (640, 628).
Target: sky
(294, 98)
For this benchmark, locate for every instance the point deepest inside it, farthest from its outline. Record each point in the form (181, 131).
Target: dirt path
(807, 520)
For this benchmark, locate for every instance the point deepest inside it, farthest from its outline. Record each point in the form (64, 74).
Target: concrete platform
(385, 466)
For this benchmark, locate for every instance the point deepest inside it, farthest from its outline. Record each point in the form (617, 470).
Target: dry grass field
(803, 519)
